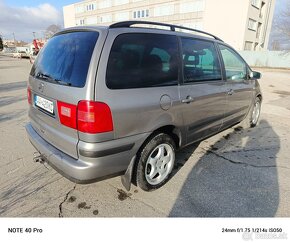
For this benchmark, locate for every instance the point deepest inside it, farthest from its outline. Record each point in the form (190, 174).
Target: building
(244, 24)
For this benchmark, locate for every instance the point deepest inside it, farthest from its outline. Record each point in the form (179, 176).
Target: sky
(22, 17)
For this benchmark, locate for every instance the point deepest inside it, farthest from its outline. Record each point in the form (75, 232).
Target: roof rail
(172, 27)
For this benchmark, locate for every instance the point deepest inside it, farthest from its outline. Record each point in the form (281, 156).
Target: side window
(236, 68)
(200, 61)
(142, 60)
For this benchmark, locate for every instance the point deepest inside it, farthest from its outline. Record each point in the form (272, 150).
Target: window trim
(181, 62)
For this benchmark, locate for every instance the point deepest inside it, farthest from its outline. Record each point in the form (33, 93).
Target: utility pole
(14, 39)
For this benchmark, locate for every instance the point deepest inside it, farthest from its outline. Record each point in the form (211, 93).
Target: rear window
(143, 60)
(65, 58)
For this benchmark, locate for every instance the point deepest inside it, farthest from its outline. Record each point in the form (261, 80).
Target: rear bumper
(87, 169)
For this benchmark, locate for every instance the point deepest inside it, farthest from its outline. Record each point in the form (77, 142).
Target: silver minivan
(120, 100)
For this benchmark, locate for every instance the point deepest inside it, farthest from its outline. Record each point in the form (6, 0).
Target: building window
(252, 25)
(259, 30)
(248, 45)
(80, 22)
(141, 14)
(256, 47)
(256, 3)
(262, 10)
(164, 10)
(190, 7)
(91, 7)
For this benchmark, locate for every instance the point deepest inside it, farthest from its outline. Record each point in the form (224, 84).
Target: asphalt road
(238, 173)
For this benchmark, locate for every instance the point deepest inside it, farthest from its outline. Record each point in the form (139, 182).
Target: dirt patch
(237, 129)
(83, 205)
(72, 199)
(227, 136)
(123, 195)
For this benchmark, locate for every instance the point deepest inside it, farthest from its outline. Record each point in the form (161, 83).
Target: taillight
(67, 114)
(87, 116)
(29, 95)
(94, 117)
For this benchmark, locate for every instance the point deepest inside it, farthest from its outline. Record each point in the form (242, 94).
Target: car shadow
(5, 87)
(235, 177)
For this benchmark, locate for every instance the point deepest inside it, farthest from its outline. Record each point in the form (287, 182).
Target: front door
(239, 86)
(203, 92)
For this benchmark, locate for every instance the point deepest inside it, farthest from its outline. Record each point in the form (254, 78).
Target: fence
(270, 59)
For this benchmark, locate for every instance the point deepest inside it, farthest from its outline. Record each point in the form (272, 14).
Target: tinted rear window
(143, 60)
(65, 58)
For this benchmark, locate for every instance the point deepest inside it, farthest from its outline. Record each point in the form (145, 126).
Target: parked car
(121, 100)
(20, 54)
(15, 55)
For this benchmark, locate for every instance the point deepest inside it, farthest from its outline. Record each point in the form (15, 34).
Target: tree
(1, 44)
(51, 30)
(281, 29)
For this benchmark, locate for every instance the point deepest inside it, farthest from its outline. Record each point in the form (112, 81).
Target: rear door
(138, 79)
(239, 86)
(203, 93)
(59, 78)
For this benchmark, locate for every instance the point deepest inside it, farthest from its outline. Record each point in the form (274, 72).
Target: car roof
(127, 25)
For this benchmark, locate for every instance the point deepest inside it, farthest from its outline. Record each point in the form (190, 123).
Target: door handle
(231, 92)
(187, 100)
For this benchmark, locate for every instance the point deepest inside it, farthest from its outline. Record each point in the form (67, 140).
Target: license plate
(43, 103)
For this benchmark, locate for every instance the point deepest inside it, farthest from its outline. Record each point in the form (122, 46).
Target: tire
(155, 162)
(254, 114)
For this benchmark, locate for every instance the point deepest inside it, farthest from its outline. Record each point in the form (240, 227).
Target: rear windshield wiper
(51, 79)
(62, 82)
(43, 76)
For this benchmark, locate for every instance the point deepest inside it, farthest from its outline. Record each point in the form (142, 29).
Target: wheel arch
(130, 174)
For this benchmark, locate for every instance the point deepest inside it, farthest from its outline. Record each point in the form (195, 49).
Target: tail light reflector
(67, 114)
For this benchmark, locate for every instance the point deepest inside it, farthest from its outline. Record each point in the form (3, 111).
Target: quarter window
(142, 60)
(236, 68)
(200, 61)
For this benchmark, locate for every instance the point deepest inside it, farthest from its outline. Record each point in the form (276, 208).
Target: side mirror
(255, 75)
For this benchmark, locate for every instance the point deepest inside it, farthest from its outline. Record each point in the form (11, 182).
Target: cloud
(22, 21)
